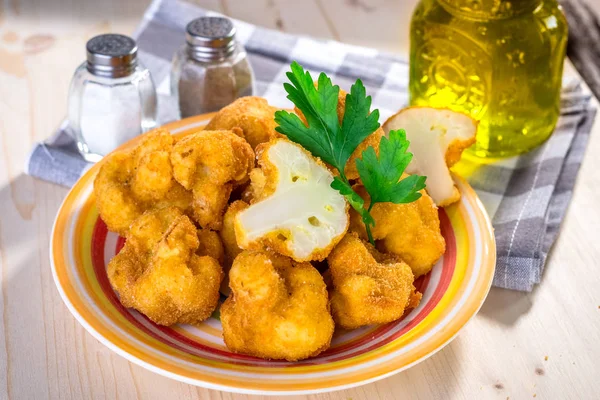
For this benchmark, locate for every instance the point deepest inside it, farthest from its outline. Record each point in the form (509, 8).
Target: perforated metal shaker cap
(111, 55)
(210, 38)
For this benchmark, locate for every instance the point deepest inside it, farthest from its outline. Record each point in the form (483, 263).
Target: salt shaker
(211, 69)
(112, 97)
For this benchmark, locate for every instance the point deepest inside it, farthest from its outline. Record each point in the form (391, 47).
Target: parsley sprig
(334, 143)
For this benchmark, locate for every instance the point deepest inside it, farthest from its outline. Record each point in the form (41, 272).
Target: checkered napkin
(525, 196)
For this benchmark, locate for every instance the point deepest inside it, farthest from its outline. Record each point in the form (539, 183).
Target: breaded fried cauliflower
(294, 210)
(133, 181)
(160, 273)
(437, 139)
(253, 115)
(368, 287)
(227, 233)
(278, 309)
(411, 230)
(211, 164)
(210, 244)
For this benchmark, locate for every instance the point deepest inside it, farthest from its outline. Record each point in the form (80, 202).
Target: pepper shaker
(112, 97)
(211, 69)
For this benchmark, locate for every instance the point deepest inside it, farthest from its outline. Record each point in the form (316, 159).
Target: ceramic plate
(452, 293)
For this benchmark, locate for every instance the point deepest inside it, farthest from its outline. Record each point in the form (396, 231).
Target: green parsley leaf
(358, 123)
(324, 137)
(381, 175)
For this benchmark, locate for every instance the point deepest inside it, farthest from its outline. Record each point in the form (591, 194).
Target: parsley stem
(369, 234)
(368, 225)
(343, 175)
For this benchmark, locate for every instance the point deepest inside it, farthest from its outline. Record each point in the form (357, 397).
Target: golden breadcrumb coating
(411, 231)
(278, 309)
(130, 182)
(455, 150)
(227, 233)
(210, 244)
(230, 245)
(253, 115)
(294, 210)
(372, 140)
(368, 287)
(256, 190)
(159, 273)
(211, 164)
(452, 156)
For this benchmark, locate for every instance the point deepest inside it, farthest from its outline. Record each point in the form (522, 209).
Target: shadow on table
(25, 205)
(506, 306)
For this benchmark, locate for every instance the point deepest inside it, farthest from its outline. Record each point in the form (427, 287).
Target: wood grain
(46, 354)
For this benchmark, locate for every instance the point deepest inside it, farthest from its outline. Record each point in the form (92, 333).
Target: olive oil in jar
(497, 60)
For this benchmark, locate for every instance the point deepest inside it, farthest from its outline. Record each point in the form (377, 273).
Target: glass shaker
(499, 61)
(112, 97)
(211, 69)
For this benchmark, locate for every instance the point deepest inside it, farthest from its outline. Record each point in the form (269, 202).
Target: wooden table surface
(544, 344)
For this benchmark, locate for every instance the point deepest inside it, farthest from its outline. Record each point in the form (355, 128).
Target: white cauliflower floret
(437, 139)
(295, 211)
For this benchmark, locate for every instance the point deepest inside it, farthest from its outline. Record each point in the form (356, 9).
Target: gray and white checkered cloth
(525, 196)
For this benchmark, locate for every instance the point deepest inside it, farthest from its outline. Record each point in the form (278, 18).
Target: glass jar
(112, 97)
(211, 69)
(499, 61)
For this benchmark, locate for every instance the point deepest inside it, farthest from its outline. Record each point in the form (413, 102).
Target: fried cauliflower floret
(227, 233)
(368, 287)
(256, 189)
(278, 309)
(296, 212)
(133, 181)
(372, 140)
(159, 273)
(437, 139)
(411, 231)
(210, 244)
(211, 164)
(253, 115)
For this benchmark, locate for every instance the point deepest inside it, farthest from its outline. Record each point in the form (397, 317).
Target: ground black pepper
(211, 70)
